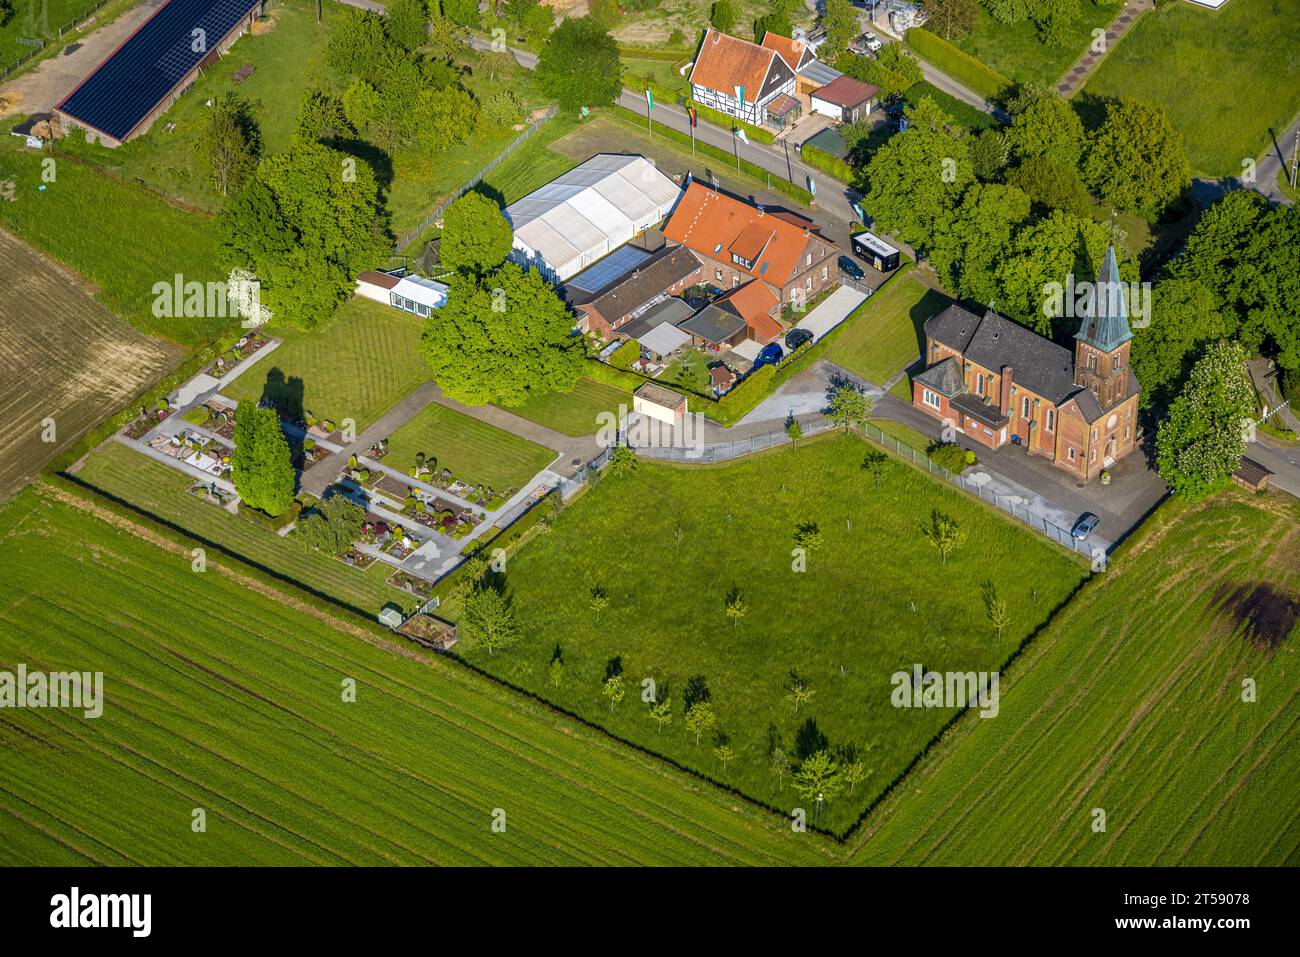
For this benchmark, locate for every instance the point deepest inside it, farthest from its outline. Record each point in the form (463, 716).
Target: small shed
(661, 404)
(1251, 475)
(390, 616)
(721, 378)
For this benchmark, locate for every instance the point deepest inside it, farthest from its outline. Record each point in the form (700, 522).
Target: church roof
(1105, 323)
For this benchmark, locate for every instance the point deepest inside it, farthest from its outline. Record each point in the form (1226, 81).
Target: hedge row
(827, 163)
(753, 171)
(958, 64)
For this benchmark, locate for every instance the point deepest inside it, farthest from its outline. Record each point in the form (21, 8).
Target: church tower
(1101, 345)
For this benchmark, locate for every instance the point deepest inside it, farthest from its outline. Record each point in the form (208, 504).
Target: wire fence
(1011, 505)
(436, 213)
(73, 24)
(587, 473)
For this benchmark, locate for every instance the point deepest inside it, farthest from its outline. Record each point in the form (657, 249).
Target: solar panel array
(145, 69)
(595, 278)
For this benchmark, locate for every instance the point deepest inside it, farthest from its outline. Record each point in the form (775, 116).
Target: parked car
(851, 269)
(1084, 526)
(796, 338)
(772, 354)
(870, 42)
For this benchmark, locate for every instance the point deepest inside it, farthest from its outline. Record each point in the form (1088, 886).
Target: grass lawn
(1227, 77)
(223, 697)
(690, 371)
(358, 365)
(846, 624)
(162, 491)
(576, 412)
(121, 238)
(1131, 701)
(662, 72)
(655, 27)
(887, 332)
(37, 19)
(1014, 50)
(962, 112)
(476, 452)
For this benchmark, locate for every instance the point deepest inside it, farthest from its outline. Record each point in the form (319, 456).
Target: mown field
(220, 698)
(474, 451)
(162, 491)
(874, 599)
(1229, 78)
(357, 365)
(576, 412)
(78, 362)
(888, 331)
(36, 19)
(121, 238)
(1131, 702)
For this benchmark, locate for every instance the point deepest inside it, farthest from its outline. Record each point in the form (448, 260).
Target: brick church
(998, 381)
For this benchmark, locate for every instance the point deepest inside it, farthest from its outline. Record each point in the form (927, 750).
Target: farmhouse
(149, 72)
(997, 381)
(402, 290)
(753, 83)
(588, 212)
(784, 254)
(667, 272)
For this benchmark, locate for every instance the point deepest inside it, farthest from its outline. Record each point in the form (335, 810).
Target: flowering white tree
(1202, 441)
(245, 294)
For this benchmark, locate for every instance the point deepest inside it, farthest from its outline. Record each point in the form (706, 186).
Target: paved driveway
(831, 311)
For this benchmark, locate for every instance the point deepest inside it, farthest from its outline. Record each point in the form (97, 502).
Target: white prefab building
(402, 291)
(589, 212)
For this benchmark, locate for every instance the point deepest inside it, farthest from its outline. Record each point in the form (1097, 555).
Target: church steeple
(1105, 323)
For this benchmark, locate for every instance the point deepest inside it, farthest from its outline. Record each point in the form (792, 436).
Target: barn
(589, 212)
(144, 76)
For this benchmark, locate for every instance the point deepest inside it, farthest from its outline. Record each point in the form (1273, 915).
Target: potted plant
(1105, 476)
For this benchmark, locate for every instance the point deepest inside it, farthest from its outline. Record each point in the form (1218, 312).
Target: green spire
(1105, 324)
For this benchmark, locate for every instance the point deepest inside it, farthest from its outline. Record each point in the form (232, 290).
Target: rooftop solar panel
(597, 277)
(145, 69)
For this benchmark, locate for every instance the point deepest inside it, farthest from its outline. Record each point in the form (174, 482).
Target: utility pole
(1295, 158)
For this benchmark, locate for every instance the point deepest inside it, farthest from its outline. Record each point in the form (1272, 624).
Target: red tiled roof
(754, 302)
(715, 225)
(382, 280)
(846, 91)
(725, 62)
(791, 51)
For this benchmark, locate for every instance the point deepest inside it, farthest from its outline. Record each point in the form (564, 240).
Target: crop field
(358, 365)
(1229, 78)
(1131, 701)
(669, 544)
(474, 451)
(887, 333)
(79, 363)
(576, 412)
(77, 219)
(163, 492)
(221, 697)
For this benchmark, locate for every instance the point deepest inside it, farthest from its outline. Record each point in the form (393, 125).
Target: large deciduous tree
(407, 23)
(1202, 441)
(579, 65)
(305, 225)
(1185, 318)
(1135, 160)
(502, 339)
(231, 142)
(476, 238)
(968, 254)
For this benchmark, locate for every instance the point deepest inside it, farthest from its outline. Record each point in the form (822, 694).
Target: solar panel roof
(615, 265)
(145, 69)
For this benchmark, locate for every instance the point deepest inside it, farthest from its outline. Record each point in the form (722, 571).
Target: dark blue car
(772, 354)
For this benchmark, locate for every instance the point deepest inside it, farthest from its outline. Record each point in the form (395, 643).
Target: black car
(796, 338)
(851, 269)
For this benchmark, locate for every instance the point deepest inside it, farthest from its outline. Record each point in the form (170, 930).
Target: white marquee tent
(588, 212)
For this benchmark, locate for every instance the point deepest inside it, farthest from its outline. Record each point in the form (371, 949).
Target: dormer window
(741, 261)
